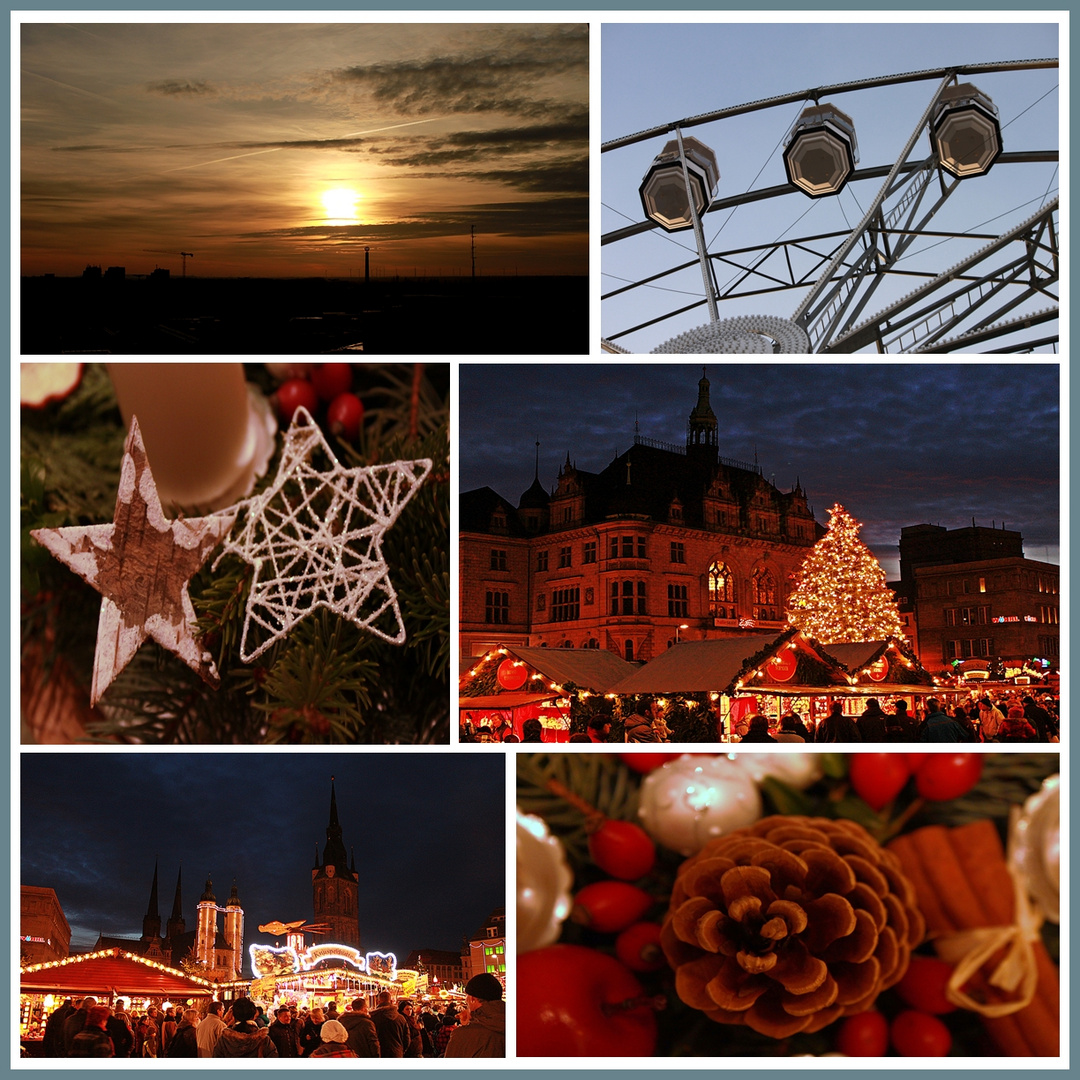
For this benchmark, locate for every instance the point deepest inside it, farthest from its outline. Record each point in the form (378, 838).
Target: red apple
(878, 778)
(577, 1002)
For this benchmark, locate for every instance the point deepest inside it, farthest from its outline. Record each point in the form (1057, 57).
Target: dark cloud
(179, 87)
(897, 444)
(495, 78)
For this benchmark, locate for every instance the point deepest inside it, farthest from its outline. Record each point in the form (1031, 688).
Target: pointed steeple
(175, 925)
(152, 918)
(701, 429)
(334, 853)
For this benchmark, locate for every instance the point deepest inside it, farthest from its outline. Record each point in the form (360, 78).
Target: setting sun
(340, 204)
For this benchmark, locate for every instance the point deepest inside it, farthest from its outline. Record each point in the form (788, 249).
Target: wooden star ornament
(141, 564)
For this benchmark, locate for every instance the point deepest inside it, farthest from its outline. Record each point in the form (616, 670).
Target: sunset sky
(282, 150)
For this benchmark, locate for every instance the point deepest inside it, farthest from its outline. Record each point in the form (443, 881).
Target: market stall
(107, 975)
(511, 685)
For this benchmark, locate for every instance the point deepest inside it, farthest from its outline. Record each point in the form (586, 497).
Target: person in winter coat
(310, 1037)
(245, 1038)
(836, 727)
(416, 1042)
(53, 1043)
(1015, 727)
(210, 1028)
(93, 1040)
(871, 724)
(184, 1042)
(75, 1022)
(485, 1034)
(283, 1032)
(937, 727)
(119, 1028)
(363, 1039)
(334, 1041)
(391, 1027)
(758, 730)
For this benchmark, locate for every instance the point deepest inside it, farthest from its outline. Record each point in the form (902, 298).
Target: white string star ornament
(314, 538)
(141, 564)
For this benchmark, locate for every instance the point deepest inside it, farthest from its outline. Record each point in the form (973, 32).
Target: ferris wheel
(949, 246)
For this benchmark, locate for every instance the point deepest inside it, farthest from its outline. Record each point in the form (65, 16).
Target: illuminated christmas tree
(840, 593)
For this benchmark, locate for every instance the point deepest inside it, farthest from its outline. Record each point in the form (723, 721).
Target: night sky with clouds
(427, 830)
(896, 444)
(282, 150)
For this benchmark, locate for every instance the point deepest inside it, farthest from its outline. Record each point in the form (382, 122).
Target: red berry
(330, 380)
(645, 763)
(878, 778)
(923, 985)
(622, 849)
(292, 395)
(864, 1035)
(947, 776)
(577, 1002)
(610, 906)
(344, 416)
(916, 1034)
(638, 947)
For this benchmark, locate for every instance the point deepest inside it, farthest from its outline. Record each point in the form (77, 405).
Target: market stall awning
(696, 666)
(541, 674)
(111, 971)
(883, 667)
(509, 700)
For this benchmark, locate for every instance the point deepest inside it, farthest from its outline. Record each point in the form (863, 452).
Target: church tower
(206, 934)
(334, 885)
(702, 437)
(234, 931)
(174, 928)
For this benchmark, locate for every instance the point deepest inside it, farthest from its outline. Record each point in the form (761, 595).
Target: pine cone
(789, 924)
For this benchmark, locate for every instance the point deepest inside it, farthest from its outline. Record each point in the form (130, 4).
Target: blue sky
(657, 74)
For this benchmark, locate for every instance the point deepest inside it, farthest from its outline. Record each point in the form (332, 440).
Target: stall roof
(512, 699)
(856, 654)
(597, 670)
(111, 971)
(696, 666)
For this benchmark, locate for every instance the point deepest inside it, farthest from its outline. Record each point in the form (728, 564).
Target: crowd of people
(85, 1027)
(1015, 718)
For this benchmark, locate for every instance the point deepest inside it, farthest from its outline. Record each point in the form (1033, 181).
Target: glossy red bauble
(878, 778)
(948, 776)
(610, 906)
(569, 1004)
(916, 1034)
(344, 416)
(645, 763)
(292, 395)
(622, 849)
(638, 947)
(330, 380)
(865, 1034)
(923, 985)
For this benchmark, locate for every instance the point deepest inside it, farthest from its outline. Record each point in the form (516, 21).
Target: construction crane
(184, 256)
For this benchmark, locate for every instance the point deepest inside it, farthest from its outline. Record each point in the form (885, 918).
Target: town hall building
(667, 543)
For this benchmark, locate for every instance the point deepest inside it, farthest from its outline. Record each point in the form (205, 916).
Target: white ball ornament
(798, 770)
(688, 802)
(544, 884)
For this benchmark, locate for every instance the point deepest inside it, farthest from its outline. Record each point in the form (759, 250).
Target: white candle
(194, 420)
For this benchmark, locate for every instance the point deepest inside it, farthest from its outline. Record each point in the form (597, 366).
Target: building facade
(975, 596)
(486, 949)
(44, 934)
(666, 543)
(335, 885)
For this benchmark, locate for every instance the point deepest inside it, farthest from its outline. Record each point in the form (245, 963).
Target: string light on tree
(841, 594)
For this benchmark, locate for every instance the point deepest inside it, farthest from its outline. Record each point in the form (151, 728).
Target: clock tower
(334, 885)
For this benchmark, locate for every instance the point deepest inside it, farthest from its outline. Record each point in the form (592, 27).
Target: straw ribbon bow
(1017, 972)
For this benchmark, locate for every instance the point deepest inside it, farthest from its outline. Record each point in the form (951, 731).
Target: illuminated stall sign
(267, 960)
